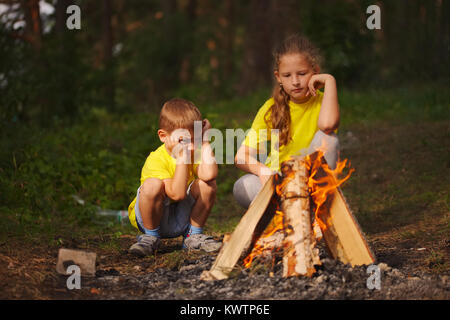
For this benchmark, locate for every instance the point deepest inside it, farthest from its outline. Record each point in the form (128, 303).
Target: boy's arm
(176, 187)
(207, 169)
(329, 112)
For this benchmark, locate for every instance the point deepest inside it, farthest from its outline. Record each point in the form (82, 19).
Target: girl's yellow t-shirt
(159, 164)
(304, 119)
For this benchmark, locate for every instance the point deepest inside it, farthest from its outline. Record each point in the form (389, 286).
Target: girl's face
(294, 72)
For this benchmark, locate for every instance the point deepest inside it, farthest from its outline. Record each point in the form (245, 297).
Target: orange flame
(322, 184)
(275, 224)
(279, 187)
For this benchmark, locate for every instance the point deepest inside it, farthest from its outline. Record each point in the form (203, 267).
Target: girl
(306, 118)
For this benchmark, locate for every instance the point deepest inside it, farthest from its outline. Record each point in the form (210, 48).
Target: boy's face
(177, 136)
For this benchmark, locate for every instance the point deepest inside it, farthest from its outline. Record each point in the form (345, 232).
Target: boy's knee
(207, 192)
(152, 188)
(208, 188)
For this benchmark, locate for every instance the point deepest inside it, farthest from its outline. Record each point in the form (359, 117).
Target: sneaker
(145, 246)
(201, 241)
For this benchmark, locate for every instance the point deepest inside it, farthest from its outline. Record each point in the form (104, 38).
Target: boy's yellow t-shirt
(159, 164)
(304, 119)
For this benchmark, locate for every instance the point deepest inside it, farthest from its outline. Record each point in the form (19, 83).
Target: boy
(171, 201)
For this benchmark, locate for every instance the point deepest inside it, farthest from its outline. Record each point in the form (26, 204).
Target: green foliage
(202, 51)
(12, 52)
(338, 29)
(98, 159)
(42, 85)
(399, 104)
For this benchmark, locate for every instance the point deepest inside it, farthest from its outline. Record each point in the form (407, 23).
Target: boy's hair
(280, 117)
(178, 113)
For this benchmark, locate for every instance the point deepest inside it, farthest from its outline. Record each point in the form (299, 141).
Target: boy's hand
(205, 127)
(318, 81)
(180, 148)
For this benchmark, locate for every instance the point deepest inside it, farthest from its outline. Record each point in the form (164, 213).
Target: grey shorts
(176, 216)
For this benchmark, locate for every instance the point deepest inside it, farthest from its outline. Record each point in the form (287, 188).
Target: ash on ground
(333, 280)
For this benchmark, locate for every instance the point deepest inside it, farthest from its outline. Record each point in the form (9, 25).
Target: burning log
(300, 254)
(268, 238)
(285, 217)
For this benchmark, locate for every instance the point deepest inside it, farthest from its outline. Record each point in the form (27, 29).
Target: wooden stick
(241, 236)
(343, 236)
(300, 254)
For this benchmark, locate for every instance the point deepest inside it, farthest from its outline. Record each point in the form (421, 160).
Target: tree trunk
(257, 61)
(61, 15)
(229, 39)
(33, 28)
(185, 74)
(107, 39)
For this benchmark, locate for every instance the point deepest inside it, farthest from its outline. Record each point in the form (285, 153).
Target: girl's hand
(264, 174)
(317, 81)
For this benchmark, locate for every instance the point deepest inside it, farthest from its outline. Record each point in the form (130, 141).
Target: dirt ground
(29, 273)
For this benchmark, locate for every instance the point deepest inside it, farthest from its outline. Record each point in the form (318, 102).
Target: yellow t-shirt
(159, 164)
(304, 119)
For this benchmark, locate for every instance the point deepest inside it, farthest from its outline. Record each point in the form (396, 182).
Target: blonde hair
(280, 116)
(178, 113)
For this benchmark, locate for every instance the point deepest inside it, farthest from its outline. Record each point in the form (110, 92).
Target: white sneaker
(145, 246)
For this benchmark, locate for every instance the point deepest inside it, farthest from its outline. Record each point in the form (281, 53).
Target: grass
(437, 261)
(398, 180)
(396, 140)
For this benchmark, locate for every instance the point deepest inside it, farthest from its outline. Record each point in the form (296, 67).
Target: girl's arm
(329, 112)
(245, 160)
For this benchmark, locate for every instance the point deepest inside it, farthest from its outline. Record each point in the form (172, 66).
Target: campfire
(291, 213)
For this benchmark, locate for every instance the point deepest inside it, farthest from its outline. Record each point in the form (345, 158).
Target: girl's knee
(239, 187)
(328, 144)
(246, 188)
(324, 141)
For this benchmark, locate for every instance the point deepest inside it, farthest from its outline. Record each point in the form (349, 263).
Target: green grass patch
(437, 262)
